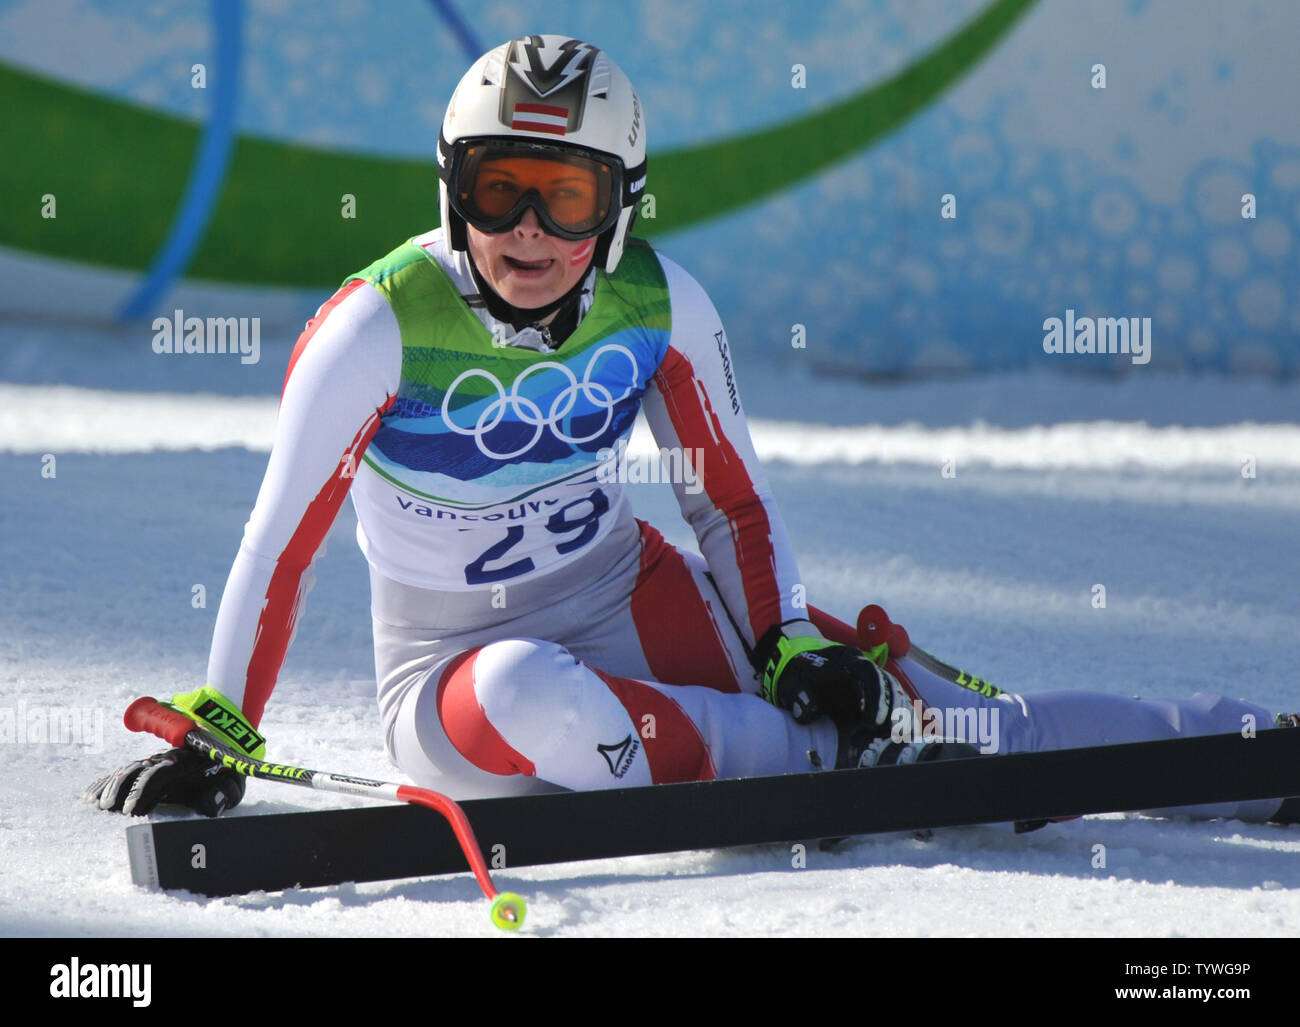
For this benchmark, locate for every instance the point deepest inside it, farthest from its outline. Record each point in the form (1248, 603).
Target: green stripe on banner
(117, 173)
(695, 184)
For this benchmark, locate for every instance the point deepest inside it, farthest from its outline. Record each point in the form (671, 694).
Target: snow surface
(1061, 483)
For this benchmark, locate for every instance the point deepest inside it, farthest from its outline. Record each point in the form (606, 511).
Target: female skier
(468, 390)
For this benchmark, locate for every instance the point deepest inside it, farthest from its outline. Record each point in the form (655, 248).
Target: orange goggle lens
(571, 194)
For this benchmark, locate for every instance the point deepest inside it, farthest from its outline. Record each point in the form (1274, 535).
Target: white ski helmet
(549, 96)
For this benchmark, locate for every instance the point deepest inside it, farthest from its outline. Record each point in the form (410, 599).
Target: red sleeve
(694, 404)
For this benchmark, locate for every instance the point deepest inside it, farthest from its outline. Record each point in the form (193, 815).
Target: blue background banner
(1117, 159)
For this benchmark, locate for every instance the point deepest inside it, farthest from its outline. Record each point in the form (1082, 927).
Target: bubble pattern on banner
(1047, 220)
(375, 77)
(884, 283)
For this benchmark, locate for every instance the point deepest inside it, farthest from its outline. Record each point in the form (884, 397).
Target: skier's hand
(812, 677)
(178, 776)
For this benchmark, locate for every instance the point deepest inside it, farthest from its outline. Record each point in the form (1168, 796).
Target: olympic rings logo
(523, 409)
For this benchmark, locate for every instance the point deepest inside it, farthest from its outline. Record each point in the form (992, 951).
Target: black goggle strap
(634, 183)
(446, 157)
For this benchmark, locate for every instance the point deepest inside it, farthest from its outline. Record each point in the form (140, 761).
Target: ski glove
(182, 776)
(179, 776)
(812, 677)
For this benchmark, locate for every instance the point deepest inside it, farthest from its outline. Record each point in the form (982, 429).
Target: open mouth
(529, 265)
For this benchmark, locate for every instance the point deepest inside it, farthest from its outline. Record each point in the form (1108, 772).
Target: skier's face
(526, 266)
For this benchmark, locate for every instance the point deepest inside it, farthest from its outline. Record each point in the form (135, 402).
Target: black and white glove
(812, 677)
(178, 776)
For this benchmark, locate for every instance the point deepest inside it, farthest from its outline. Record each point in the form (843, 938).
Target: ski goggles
(574, 195)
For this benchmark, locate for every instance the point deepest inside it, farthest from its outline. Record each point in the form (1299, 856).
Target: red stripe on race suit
(467, 725)
(284, 591)
(727, 484)
(678, 632)
(674, 748)
(315, 323)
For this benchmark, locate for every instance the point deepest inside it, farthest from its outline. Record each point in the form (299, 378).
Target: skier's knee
(498, 702)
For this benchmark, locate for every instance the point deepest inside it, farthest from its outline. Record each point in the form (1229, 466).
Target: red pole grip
(151, 716)
(873, 626)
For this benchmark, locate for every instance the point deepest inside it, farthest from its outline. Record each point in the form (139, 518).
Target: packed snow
(981, 512)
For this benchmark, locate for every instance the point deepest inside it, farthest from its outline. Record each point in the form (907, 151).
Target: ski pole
(874, 627)
(152, 717)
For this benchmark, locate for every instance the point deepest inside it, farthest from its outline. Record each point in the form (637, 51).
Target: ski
(239, 854)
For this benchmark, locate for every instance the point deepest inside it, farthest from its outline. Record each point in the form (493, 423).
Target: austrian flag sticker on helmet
(540, 117)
